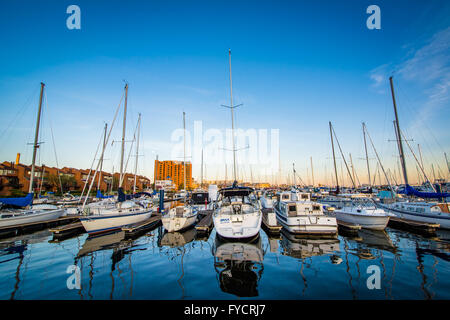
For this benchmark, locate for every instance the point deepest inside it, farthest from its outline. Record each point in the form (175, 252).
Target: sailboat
(184, 215)
(420, 211)
(17, 211)
(358, 209)
(238, 212)
(126, 210)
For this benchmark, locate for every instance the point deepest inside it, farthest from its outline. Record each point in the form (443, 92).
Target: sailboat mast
(232, 117)
(36, 136)
(137, 152)
(184, 155)
(446, 161)
(201, 172)
(101, 158)
(312, 172)
(123, 135)
(334, 158)
(365, 148)
(399, 136)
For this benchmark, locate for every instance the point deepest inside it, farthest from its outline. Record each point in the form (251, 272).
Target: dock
(135, 228)
(35, 226)
(271, 229)
(68, 229)
(409, 225)
(206, 223)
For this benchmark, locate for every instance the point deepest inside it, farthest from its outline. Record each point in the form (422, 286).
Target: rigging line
(53, 141)
(424, 124)
(129, 154)
(90, 170)
(18, 115)
(106, 142)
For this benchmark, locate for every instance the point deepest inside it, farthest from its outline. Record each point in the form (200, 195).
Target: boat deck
(151, 222)
(206, 223)
(271, 229)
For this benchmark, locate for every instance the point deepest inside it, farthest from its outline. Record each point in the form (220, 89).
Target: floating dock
(151, 222)
(68, 229)
(35, 226)
(409, 225)
(272, 229)
(206, 223)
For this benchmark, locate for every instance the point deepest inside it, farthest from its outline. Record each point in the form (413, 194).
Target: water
(179, 266)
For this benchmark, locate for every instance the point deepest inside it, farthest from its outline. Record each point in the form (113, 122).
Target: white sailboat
(17, 211)
(127, 210)
(419, 211)
(238, 213)
(184, 215)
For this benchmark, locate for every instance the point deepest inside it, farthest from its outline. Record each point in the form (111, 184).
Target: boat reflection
(14, 249)
(177, 239)
(300, 247)
(239, 266)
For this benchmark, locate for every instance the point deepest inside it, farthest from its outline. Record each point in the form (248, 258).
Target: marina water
(157, 265)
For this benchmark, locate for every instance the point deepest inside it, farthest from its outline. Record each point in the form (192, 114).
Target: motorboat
(365, 214)
(299, 215)
(237, 215)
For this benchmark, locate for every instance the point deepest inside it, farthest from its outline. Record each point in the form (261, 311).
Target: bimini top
(236, 191)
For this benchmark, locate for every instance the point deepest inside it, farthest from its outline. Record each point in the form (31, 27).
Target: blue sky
(296, 66)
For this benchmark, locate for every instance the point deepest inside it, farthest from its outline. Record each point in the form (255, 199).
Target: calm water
(180, 266)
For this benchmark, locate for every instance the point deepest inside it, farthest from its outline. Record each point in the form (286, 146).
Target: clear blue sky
(296, 66)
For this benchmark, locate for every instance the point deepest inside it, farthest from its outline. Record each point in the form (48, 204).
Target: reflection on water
(239, 266)
(185, 265)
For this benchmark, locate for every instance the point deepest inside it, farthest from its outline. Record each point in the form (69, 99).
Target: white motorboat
(363, 214)
(420, 211)
(238, 215)
(299, 215)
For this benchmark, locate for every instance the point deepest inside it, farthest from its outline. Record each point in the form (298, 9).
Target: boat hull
(41, 216)
(239, 227)
(173, 224)
(372, 222)
(443, 220)
(308, 224)
(104, 223)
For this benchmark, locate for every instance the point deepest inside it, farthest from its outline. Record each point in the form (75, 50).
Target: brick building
(174, 171)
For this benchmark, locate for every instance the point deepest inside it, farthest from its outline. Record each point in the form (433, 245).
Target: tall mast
(101, 158)
(312, 172)
(334, 158)
(184, 156)
(137, 152)
(232, 117)
(353, 168)
(399, 136)
(365, 148)
(36, 136)
(123, 135)
(201, 174)
(446, 161)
